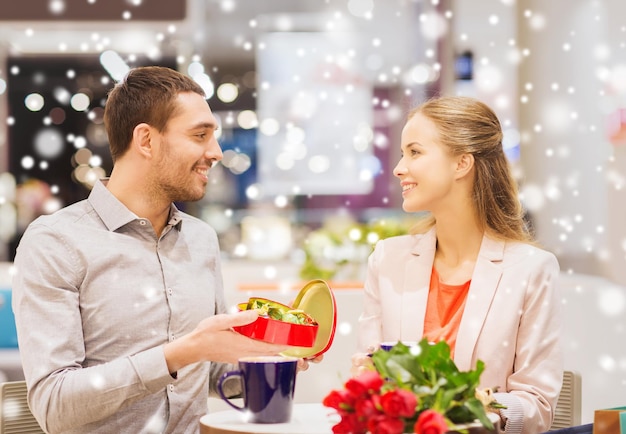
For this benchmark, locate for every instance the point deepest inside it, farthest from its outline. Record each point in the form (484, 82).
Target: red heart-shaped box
(307, 340)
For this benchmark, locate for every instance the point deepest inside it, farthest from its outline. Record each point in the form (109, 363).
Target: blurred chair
(15, 415)
(10, 362)
(8, 334)
(568, 406)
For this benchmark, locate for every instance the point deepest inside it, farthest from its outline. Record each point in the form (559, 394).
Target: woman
(469, 273)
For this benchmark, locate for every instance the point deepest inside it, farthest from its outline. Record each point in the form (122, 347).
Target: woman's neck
(458, 244)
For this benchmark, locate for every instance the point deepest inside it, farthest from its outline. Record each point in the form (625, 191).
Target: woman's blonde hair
(468, 126)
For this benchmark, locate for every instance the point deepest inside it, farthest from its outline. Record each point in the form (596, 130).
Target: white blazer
(511, 319)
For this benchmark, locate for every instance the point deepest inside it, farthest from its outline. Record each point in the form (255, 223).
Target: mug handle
(221, 381)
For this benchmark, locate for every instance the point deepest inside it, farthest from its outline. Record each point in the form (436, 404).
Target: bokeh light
(227, 92)
(48, 143)
(80, 102)
(34, 102)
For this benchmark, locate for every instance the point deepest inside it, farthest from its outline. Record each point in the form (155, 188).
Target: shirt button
(142, 222)
(171, 387)
(169, 291)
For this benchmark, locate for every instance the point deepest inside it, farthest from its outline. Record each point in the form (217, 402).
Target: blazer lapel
(416, 284)
(485, 280)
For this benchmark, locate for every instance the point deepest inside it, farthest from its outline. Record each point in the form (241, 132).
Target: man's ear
(142, 140)
(464, 165)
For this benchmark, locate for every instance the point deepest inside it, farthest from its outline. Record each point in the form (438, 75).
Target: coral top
(444, 310)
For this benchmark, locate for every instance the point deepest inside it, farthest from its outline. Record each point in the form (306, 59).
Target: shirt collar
(114, 213)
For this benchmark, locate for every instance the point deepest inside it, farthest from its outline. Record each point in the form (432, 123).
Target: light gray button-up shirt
(96, 296)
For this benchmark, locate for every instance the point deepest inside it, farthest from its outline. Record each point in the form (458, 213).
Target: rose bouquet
(416, 389)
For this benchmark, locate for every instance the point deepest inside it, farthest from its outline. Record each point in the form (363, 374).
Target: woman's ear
(464, 165)
(142, 140)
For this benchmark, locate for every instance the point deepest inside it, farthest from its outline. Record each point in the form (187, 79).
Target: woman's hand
(361, 362)
(303, 364)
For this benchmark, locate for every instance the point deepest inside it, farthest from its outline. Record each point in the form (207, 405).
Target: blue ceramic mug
(388, 345)
(268, 384)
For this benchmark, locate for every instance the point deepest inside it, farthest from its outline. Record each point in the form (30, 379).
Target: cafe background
(311, 96)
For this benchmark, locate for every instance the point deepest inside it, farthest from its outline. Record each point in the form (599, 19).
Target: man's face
(187, 150)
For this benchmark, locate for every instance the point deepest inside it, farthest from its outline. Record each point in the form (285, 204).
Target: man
(118, 298)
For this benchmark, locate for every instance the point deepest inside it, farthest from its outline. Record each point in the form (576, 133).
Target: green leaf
(429, 371)
(460, 414)
(479, 412)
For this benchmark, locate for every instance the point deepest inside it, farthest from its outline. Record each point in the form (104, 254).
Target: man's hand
(214, 340)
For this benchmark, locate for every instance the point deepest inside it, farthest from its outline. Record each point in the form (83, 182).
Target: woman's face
(427, 170)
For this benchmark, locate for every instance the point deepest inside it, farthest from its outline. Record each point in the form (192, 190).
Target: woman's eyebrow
(410, 145)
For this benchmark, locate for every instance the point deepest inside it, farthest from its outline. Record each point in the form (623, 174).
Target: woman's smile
(406, 187)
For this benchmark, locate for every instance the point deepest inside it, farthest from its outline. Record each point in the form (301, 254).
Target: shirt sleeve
(64, 393)
(232, 389)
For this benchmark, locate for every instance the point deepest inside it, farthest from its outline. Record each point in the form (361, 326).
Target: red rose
(367, 382)
(399, 403)
(350, 424)
(383, 424)
(430, 422)
(365, 407)
(376, 401)
(339, 400)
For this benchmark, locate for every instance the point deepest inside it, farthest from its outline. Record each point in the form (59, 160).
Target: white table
(310, 418)
(307, 418)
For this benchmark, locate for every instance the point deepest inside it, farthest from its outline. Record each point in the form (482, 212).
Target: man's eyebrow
(205, 125)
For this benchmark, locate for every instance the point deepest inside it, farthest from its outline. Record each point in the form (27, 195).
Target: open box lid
(317, 299)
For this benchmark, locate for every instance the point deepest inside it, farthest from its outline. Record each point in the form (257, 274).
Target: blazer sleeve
(370, 321)
(534, 385)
